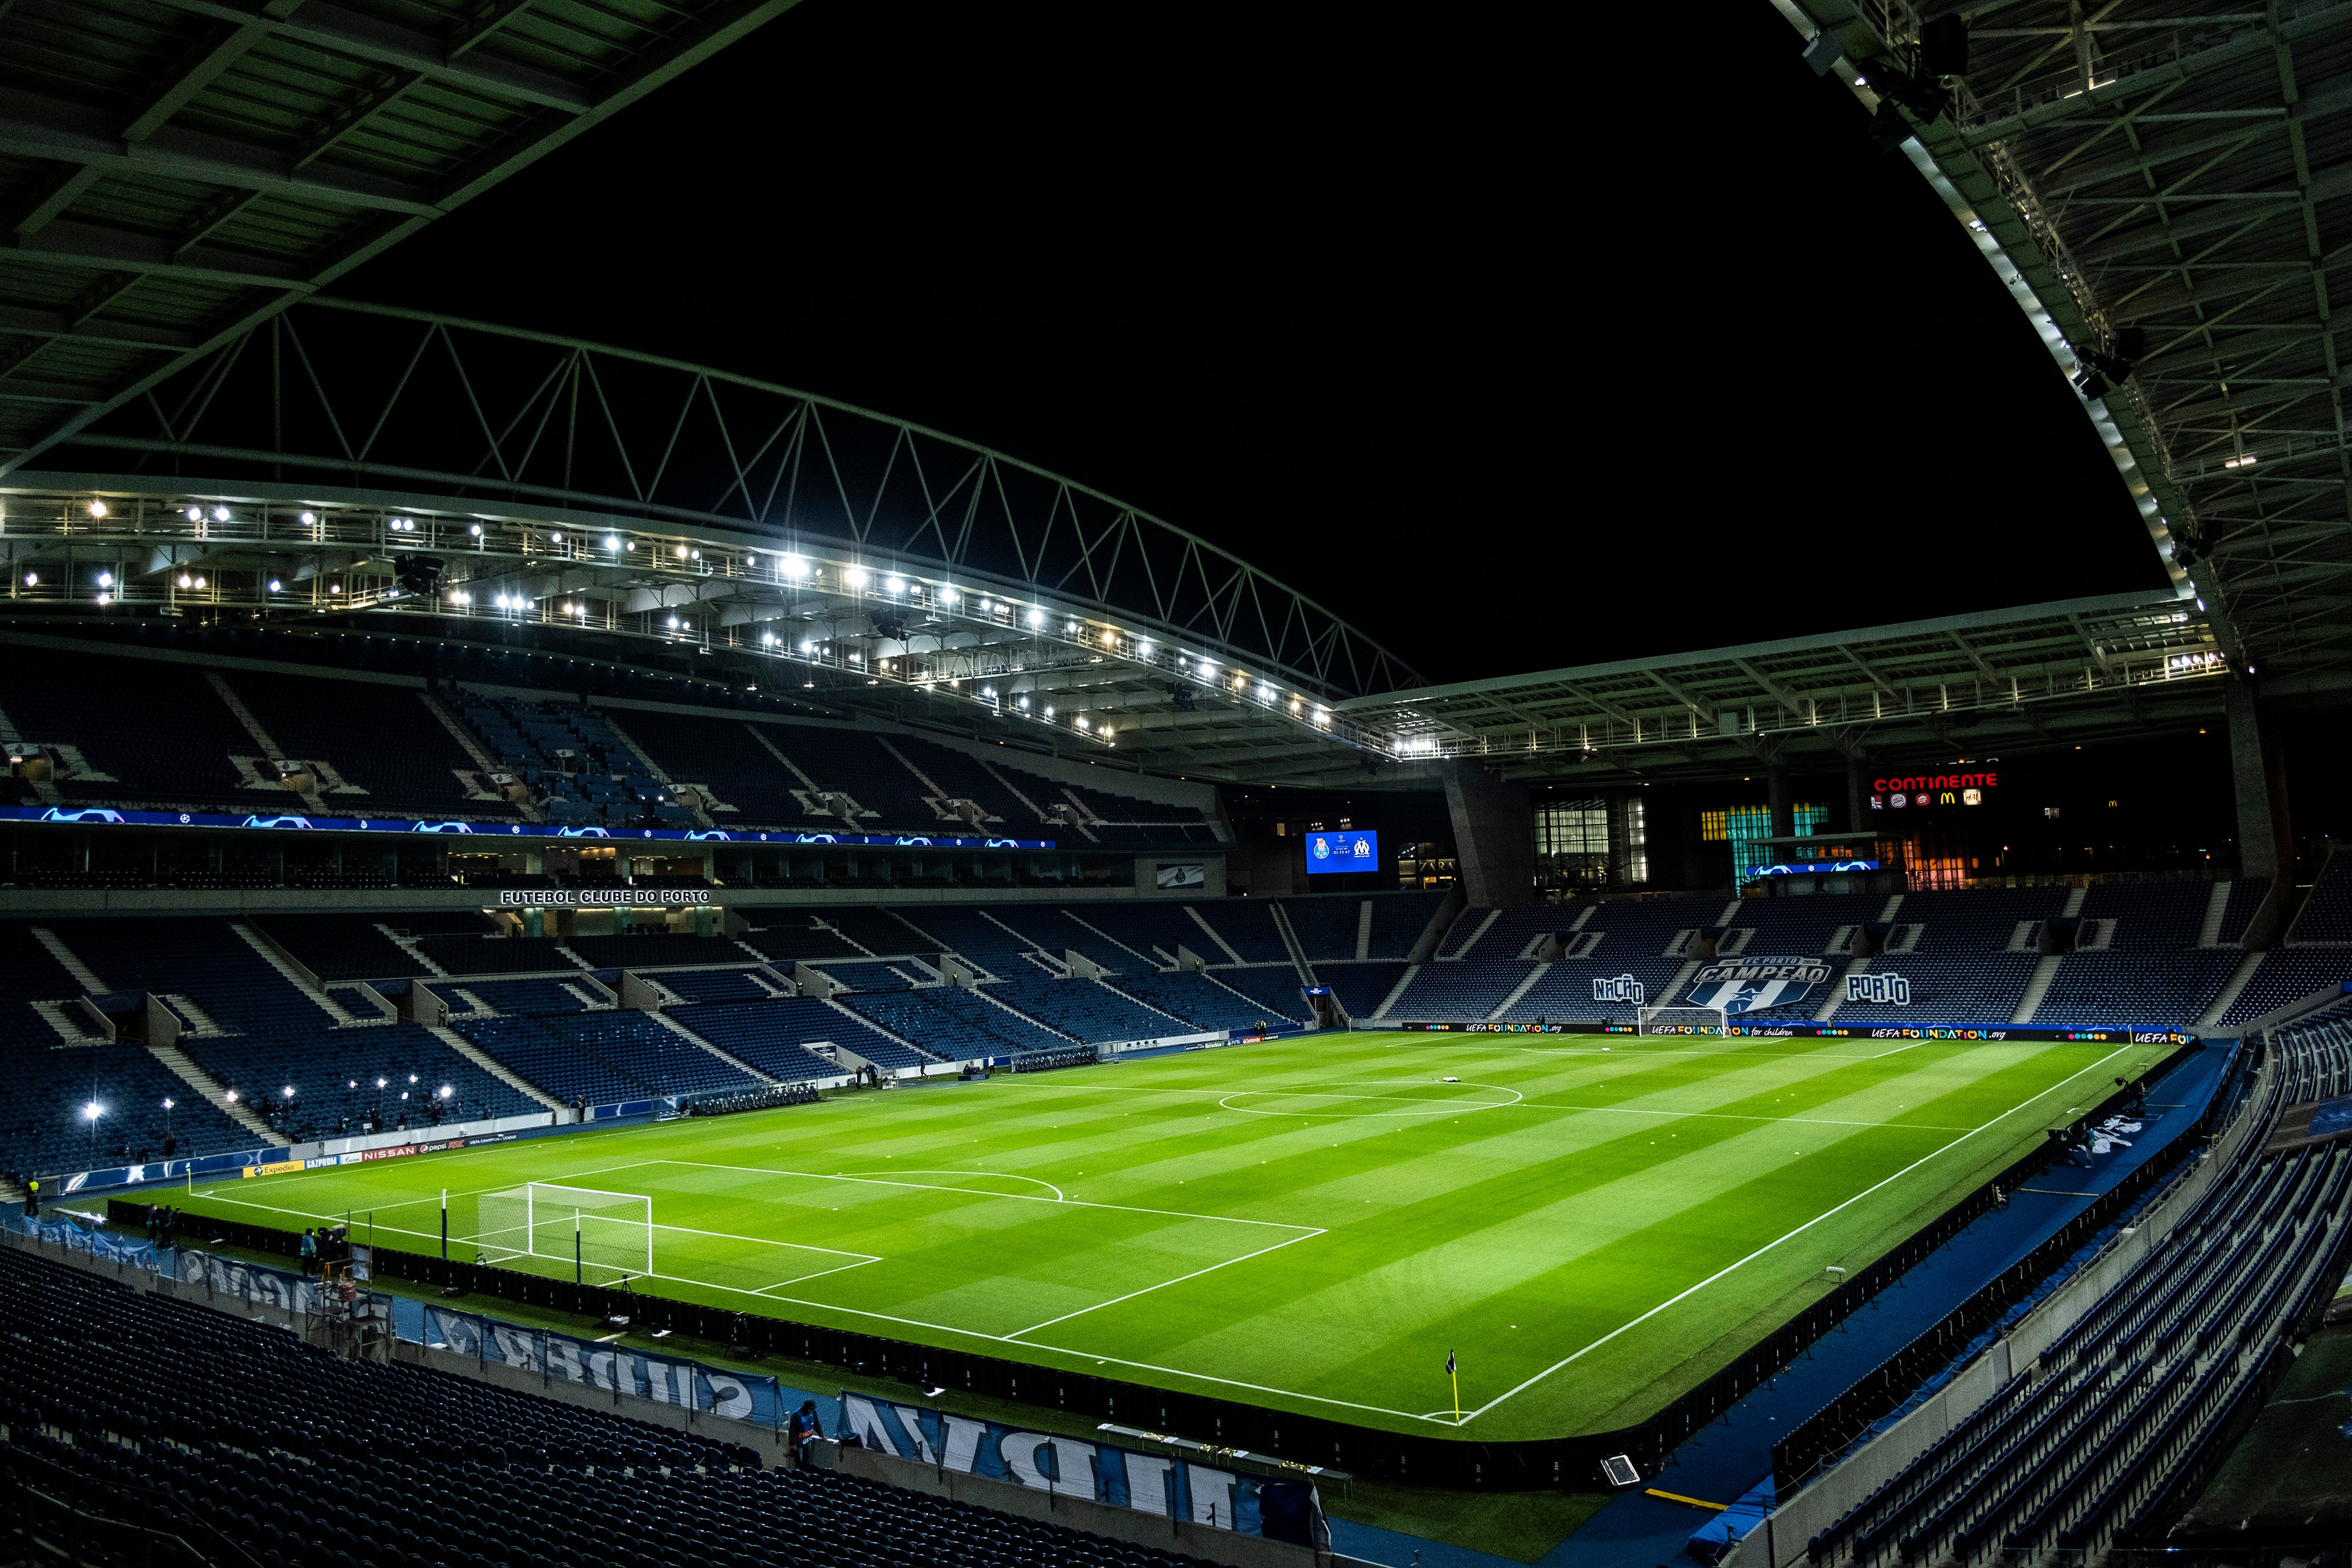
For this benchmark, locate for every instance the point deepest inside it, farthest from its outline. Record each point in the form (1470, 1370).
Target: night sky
(1511, 370)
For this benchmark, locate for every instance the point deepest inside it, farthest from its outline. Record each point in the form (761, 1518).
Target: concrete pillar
(1784, 814)
(1494, 836)
(2265, 838)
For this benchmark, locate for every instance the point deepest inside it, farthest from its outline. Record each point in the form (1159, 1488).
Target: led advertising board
(1356, 849)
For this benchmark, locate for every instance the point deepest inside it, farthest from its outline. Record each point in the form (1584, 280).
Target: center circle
(1353, 1101)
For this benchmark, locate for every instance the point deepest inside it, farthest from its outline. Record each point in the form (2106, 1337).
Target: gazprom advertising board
(1357, 850)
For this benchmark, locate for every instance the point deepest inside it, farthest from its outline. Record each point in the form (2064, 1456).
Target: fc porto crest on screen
(1749, 985)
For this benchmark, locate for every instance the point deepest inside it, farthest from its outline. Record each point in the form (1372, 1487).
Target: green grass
(1593, 1224)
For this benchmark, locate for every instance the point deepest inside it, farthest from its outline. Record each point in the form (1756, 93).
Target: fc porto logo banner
(1749, 985)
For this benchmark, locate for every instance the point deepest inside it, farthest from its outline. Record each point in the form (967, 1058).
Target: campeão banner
(1749, 985)
(1157, 1484)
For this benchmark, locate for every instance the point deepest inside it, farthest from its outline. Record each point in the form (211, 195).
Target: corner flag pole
(1456, 1376)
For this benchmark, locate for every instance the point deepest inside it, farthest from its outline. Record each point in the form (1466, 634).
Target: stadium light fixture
(220, 513)
(946, 596)
(673, 622)
(612, 542)
(98, 508)
(288, 1091)
(32, 580)
(334, 588)
(894, 584)
(230, 1096)
(1049, 710)
(92, 1112)
(167, 1101)
(105, 580)
(447, 1091)
(682, 552)
(185, 581)
(475, 530)
(276, 586)
(1036, 619)
(555, 538)
(310, 520)
(855, 577)
(195, 513)
(379, 1082)
(412, 1078)
(1143, 650)
(200, 579)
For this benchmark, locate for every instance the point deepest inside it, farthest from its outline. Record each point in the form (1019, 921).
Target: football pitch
(1590, 1224)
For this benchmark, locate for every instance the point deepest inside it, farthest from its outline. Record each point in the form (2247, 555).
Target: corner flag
(1458, 1387)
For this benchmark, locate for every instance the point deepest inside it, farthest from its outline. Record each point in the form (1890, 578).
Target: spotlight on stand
(418, 574)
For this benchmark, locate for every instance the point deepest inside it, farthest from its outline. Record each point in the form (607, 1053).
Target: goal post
(1666, 1017)
(609, 1235)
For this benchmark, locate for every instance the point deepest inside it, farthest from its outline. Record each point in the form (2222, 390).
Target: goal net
(1668, 1019)
(609, 1234)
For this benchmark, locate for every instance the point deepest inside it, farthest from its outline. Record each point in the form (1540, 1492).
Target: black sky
(1511, 364)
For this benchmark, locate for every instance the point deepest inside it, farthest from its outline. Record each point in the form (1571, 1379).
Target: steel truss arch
(352, 394)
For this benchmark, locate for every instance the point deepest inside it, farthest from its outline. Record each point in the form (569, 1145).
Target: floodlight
(195, 513)
(1036, 619)
(687, 625)
(1143, 650)
(32, 580)
(379, 1082)
(334, 588)
(276, 586)
(794, 566)
(310, 520)
(98, 508)
(555, 538)
(894, 584)
(1073, 628)
(200, 580)
(682, 552)
(167, 1101)
(854, 577)
(412, 1078)
(673, 622)
(288, 1091)
(220, 513)
(612, 542)
(447, 1091)
(475, 530)
(946, 596)
(92, 1112)
(231, 1095)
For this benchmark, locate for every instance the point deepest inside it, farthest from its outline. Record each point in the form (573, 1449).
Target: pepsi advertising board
(1357, 850)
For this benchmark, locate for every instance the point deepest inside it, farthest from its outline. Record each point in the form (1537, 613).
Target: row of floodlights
(94, 1109)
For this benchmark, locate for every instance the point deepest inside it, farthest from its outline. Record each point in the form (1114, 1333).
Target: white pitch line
(1800, 1229)
(1082, 1312)
(1736, 1117)
(968, 1192)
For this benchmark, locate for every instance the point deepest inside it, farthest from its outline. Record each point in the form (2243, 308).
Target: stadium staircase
(82, 973)
(209, 1089)
(737, 1063)
(271, 751)
(1363, 931)
(1396, 990)
(2230, 989)
(194, 1019)
(1523, 987)
(301, 978)
(483, 760)
(1290, 943)
(425, 964)
(2217, 907)
(862, 1022)
(491, 1065)
(1210, 931)
(1836, 998)
(2037, 986)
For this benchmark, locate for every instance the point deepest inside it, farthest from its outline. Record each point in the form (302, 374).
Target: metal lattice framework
(641, 509)
(174, 171)
(2037, 677)
(2161, 188)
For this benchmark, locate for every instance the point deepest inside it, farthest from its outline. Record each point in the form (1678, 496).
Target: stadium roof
(2036, 677)
(2162, 189)
(173, 173)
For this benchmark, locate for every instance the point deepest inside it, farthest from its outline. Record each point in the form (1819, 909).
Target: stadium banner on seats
(660, 1380)
(2111, 1034)
(96, 1241)
(1156, 1484)
(96, 816)
(601, 897)
(1745, 985)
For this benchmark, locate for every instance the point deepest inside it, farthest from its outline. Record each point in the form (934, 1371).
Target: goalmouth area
(1590, 1225)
